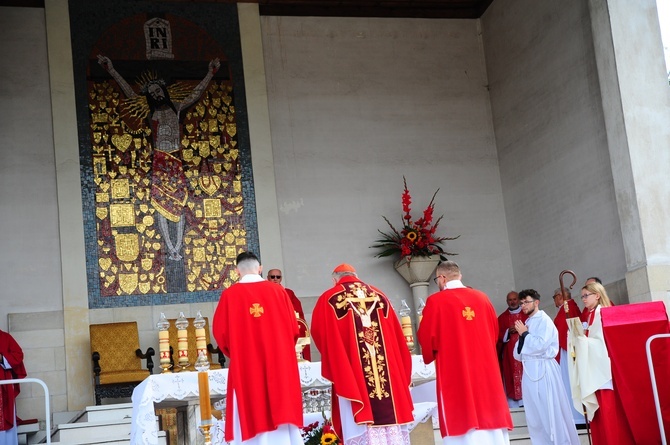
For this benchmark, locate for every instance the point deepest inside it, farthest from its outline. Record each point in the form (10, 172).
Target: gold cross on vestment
(468, 313)
(256, 310)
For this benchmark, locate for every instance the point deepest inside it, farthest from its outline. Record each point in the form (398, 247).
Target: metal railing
(654, 387)
(46, 399)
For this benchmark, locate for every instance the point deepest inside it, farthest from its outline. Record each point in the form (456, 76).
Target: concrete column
(78, 363)
(636, 106)
(267, 210)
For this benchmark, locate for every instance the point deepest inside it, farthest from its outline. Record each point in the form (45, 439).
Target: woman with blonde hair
(592, 369)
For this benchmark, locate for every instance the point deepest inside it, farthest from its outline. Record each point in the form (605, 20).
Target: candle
(200, 340)
(406, 323)
(205, 403)
(182, 345)
(164, 347)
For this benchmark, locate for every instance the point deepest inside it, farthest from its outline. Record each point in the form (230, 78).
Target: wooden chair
(117, 359)
(192, 350)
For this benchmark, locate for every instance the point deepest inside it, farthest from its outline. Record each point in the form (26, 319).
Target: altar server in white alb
(547, 406)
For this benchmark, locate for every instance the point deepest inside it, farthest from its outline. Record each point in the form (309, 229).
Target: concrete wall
(355, 104)
(552, 144)
(30, 268)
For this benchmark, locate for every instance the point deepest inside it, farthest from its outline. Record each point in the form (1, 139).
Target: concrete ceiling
(457, 9)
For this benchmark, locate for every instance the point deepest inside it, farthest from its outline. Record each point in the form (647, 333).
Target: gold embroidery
(468, 313)
(363, 302)
(256, 310)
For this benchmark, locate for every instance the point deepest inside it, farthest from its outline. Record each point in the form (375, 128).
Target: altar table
(173, 389)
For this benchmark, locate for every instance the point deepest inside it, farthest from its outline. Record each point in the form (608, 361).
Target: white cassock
(548, 411)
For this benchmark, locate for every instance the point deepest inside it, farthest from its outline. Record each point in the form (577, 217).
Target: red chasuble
(459, 331)
(10, 350)
(297, 306)
(369, 366)
(254, 324)
(512, 369)
(562, 324)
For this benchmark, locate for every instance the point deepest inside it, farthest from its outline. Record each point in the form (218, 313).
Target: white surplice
(548, 411)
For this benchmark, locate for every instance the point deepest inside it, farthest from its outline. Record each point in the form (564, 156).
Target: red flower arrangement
(417, 238)
(315, 434)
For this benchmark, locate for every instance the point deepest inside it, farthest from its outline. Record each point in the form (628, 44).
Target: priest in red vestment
(254, 324)
(11, 367)
(511, 368)
(364, 354)
(459, 331)
(275, 275)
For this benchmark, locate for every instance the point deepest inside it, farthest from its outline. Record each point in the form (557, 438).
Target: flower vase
(417, 270)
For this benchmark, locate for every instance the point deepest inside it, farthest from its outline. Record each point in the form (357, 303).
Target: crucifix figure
(168, 182)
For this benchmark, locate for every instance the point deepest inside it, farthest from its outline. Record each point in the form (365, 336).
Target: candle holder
(406, 324)
(164, 343)
(302, 341)
(182, 342)
(200, 336)
(204, 428)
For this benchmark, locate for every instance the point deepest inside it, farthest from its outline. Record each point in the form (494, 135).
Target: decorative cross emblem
(256, 310)
(468, 313)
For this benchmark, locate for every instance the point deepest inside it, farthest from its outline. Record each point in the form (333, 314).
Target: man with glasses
(548, 411)
(275, 275)
(459, 331)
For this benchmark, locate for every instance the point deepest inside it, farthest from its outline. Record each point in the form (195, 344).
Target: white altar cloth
(183, 386)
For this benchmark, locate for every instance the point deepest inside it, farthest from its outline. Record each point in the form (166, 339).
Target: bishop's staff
(566, 308)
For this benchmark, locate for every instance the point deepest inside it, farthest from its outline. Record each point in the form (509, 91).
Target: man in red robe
(512, 369)
(11, 367)
(364, 354)
(275, 275)
(254, 324)
(459, 331)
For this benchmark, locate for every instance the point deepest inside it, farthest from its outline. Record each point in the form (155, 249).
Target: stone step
(518, 417)
(104, 413)
(524, 439)
(518, 439)
(124, 440)
(81, 432)
(101, 424)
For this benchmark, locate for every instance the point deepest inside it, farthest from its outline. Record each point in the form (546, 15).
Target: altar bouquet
(416, 237)
(317, 434)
